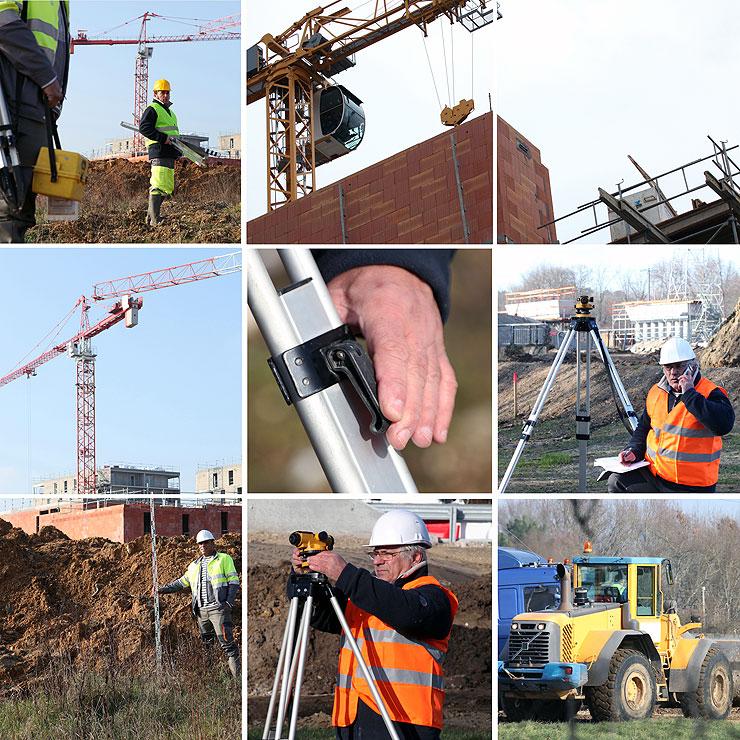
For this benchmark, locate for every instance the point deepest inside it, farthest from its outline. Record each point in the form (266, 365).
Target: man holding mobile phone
(680, 431)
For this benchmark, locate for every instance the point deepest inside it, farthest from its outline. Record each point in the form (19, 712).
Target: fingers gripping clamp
(324, 361)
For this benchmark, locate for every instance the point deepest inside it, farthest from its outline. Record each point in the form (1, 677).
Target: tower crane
(310, 120)
(80, 349)
(212, 30)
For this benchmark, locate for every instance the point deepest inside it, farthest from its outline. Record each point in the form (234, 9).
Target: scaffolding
(717, 222)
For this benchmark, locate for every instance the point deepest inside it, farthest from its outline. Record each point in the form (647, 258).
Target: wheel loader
(616, 644)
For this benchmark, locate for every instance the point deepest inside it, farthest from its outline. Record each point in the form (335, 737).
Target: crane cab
(338, 121)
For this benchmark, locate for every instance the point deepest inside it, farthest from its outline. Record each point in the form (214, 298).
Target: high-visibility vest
(407, 671)
(42, 17)
(221, 572)
(166, 121)
(680, 448)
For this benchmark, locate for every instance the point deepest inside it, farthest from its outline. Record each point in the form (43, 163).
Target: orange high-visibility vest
(680, 448)
(407, 671)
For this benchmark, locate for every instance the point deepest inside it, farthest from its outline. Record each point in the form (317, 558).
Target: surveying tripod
(303, 589)
(11, 184)
(326, 375)
(584, 331)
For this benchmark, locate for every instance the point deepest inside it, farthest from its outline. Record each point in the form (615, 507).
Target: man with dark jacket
(157, 125)
(34, 66)
(401, 617)
(398, 300)
(680, 431)
(214, 585)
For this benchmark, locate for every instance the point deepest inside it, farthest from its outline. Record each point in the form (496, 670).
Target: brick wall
(125, 522)
(524, 199)
(409, 198)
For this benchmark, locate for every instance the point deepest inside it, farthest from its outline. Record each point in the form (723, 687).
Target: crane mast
(291, 69)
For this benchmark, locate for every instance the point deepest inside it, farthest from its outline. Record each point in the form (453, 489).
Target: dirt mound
(724, 348)
(83, 600)
(205, 206)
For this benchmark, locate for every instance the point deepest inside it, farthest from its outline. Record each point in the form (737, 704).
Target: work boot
(235, 667)
(155, 205)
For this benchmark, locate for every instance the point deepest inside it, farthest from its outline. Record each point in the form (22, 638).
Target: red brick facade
(409, 198)
(523, 191)
(125, 522)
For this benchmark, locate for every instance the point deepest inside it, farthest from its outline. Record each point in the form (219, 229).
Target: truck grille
(528, 647)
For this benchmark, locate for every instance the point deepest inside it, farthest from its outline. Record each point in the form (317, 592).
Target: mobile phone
(692, 370)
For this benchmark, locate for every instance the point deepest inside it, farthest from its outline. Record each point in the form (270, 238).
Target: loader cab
(338, 123)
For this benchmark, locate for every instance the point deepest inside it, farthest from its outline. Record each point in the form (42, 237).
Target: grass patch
(553, 459)
(652, 729)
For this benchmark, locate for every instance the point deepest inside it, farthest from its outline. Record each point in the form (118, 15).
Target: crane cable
(444, 54)
(431, 71)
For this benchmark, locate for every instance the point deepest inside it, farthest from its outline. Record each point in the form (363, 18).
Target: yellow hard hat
(162, 85)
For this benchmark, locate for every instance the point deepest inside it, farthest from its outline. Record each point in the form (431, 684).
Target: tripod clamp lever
(324, 361)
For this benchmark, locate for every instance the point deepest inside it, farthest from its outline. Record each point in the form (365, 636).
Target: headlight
(514, 626)
(541, 626)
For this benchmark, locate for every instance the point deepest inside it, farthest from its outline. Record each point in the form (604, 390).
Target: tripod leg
(279, 669)
(284, 690)
(365, 670)
(621, 391)
(302, 647)
(583, 407)
(537, 409)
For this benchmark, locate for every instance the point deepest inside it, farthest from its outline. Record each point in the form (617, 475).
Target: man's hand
(295, 559)
(398, 316)
(685, 380)
(331, 564)
(626, 457)
(54, 94)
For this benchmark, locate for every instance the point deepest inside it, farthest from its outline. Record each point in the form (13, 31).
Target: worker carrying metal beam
(680, 431)
(402, 618)
(34, 65)
(214, 584)
(158, 124)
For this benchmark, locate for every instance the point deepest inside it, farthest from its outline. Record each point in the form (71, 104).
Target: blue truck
(526, 583)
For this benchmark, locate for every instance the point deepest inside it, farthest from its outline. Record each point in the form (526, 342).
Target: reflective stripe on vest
(166, 121)
(42, 18)
(221, 572)
(680, 448)
(408, 671)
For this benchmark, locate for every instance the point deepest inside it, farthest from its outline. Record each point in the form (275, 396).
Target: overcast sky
(511, 263)
(590, 82)
(205, 75)
(393, 80)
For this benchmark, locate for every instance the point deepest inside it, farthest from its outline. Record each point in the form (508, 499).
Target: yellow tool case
(71, 175)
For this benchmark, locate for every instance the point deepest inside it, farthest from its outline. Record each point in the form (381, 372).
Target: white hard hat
(675, 349)
(400, 527)
(203, 536)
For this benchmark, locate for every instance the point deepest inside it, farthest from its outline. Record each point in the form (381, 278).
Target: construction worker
(157, 125)
(214, 584)
(34, 65)
(680, 431)
(399, 300)
(402, 618)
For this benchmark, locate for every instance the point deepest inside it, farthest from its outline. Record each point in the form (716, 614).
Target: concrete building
(231, 145)
(125, 521)
(639, 321)
(524, 198)
(428, 194)
(117, 479)
(219, 479)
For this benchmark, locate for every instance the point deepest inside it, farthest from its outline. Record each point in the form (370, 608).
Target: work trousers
(369, 725)
(642, 481)
(162, 180)
(14, 223)
(215, 624)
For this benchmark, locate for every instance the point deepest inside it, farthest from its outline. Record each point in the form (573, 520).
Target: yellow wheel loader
(616, 644)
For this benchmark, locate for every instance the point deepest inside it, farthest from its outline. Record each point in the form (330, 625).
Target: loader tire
(517, 710)
(713, 696)
(629, 691)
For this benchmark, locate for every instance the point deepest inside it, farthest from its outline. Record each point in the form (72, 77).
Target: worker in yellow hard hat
(157, 125)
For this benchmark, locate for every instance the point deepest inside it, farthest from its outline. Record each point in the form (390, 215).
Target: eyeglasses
(384, 555)
(678, 366)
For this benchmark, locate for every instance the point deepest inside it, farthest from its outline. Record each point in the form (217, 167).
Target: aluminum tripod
(303, 589)
(11, 184)
(585, 332)
(311, 350)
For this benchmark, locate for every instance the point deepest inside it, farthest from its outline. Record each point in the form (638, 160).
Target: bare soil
(467, 571)
(83, 600)
(204, 209)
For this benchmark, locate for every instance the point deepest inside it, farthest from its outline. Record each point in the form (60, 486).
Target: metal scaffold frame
(726, 188)
(86, 470)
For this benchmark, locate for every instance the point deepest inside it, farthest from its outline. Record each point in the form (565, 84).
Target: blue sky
(168, 390)
(206, 92)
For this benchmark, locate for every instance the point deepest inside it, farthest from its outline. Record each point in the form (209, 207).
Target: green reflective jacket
(166, 121)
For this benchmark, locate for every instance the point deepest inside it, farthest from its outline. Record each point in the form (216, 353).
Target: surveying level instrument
(584, 331)
(326, 375)
(303, 590)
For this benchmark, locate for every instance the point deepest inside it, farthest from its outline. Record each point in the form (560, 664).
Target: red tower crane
(212, 30)
(80, 349)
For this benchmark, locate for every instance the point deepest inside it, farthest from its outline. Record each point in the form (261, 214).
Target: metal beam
(725, 192)
(634, 218)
